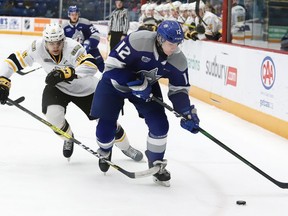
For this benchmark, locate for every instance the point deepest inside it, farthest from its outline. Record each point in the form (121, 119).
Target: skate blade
(162, 183)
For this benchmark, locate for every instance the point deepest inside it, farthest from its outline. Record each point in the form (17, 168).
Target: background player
(81, 30)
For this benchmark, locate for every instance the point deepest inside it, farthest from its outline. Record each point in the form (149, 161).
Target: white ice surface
(36, 180)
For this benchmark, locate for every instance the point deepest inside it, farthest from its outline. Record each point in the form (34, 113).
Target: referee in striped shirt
(118, 24)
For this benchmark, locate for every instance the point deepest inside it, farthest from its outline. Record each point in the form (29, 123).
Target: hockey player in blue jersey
(132, 71)
(81, 30)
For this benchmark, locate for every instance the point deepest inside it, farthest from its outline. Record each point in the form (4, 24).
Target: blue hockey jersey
(137, 55)
(81, 31)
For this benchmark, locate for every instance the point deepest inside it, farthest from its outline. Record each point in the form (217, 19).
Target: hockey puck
(241, 202)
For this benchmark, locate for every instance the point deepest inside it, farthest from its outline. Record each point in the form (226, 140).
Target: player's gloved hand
(98, 57)
(191, 122)
(187, 35)
(200, 29)
(5, 85)
(86, 45)
(191, 35)
(91, 43)
(59, 75)
(141, 89)
(194, 35)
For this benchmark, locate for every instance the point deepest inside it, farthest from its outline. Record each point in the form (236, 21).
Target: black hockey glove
(214, 37)
(191, 35)
(5, 85)
(59, 75)
(191, 122)
(200, 29)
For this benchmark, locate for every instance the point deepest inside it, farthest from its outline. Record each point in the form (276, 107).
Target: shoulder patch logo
(145, 59)
(24, 54)
(74, 51)
(34, 46)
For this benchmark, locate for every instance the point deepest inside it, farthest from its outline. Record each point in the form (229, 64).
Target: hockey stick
(205, 133)
(139, 174)
(18, 100)
(25, 73)
(197, 12)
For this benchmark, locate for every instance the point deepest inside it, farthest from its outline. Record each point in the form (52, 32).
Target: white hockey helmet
(166, 7)
(191, 6)
(202, 5)
(176, 5)
(150, 7)
(184, 7)
(53, 32)
(159, 8)
(143, 7)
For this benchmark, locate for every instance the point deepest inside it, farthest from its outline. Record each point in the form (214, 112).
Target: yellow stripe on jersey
(82, 58)
(90, 64)
(20, 58)
(11, 64)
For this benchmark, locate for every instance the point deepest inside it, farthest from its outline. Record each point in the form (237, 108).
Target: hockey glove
(5, 85)
(91, 43)
(191, 35)
(86, 45)
(59, 75)
(141, 89)
(200, 29)
(191, 121)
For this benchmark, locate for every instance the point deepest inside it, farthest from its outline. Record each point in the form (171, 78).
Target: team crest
(151, 75)
(145, 59)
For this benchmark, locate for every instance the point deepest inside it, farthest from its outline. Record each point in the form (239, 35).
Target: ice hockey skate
(163, 176)
(133, 153)
(104, 155)
(122, 142)
(68, 148)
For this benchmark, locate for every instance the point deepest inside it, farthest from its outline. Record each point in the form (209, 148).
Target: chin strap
(159, 48)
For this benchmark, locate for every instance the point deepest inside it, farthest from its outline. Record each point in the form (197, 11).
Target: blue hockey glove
(86, 45)
(59, 75)
(91, 48)
(141, 89)
(5, 85)
(191, 123)
(91, 43)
